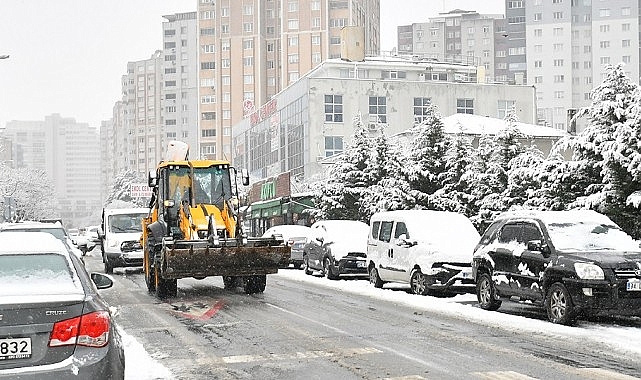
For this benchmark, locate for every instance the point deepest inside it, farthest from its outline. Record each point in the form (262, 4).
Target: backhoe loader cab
(193, 229)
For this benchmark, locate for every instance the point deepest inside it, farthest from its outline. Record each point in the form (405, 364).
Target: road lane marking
(603, 374)
(300, 355)
(503, 375)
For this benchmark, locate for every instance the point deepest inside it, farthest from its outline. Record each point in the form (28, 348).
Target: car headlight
(587, 271)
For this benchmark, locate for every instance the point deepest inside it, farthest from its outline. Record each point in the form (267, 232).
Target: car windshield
(590, 236)
(126, 222)
(33, 274)
(59, 233)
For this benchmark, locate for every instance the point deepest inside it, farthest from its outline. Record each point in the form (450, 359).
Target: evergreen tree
(456, 194)
(391, 191)
(349, 177)
(426, 161)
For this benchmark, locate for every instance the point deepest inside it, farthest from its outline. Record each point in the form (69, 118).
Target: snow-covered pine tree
(426, 160)
(456, 194)
(391, 191)
(33, 195)
(349, 177)
(523, 177)
(605, 148)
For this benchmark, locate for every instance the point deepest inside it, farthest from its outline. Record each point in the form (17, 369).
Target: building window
(625, 27)
(225, 63)
(625, 43)
(334, 40)
(558, 63)
(465, 106)
(292, 24)
(225, 45)
(207, 31)
(170, 83)
(604, 44)
(504, 106)
(209, 48)
(557, 15)
(208, 132)
(333, 145)
(207, 65)
(248, 27)
(293, 58)
(226, 131)
(316, 40)
(316, 57)
(248, 10)
(559, 78)
(292, 41)
(224, 29)
(377, 109)
(626, 11)
(334, 108)
(248, 44)
(248, 79)
(293, 76)
(248, 61)
(207, 149)
(208, 116)
(421, 105)
(604, 12)
(605, 60)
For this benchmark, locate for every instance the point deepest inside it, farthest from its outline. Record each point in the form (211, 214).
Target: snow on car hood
(608, 259)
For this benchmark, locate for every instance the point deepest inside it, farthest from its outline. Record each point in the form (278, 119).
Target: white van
(430, 250)
(119, 233)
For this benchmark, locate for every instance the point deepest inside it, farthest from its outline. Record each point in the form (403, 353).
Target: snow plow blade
(199, 258)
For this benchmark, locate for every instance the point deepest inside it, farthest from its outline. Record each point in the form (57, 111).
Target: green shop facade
(272, 203)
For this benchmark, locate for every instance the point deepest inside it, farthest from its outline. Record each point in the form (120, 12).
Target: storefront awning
(266, 209)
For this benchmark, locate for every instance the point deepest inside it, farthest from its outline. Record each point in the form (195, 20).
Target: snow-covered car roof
(15, 242)
(558, 217)
(116, 211)
(352, 228)
(288, 231)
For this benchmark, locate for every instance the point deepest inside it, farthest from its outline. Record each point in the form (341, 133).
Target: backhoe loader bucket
(200, 258)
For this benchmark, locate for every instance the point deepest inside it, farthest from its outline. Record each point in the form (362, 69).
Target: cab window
(509, 233)
(531, 232)
(375, 227)
(386, 231)
(401, 229)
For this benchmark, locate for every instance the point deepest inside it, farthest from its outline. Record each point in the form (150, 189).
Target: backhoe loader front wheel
(150, 279)
(254, 284)
(164, 288)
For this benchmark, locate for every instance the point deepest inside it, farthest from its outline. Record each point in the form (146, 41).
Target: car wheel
(486, 293)
(559, 305)
(328, 269)
(306, 267)
(374, 278)
(418, 283)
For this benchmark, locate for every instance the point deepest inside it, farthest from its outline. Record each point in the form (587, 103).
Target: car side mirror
(152, 180)
(402, 241)
(244, 173)
(102, 281)
(538, 246)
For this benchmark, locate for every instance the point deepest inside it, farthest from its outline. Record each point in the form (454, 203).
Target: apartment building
(461, 36)
(250, 50)
(137, 121)
(306, 124)
(569, 44)
(179, 91)
(68, 152)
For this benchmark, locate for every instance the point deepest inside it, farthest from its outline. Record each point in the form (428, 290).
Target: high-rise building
(137, 122)
(569, 45)
(462, 37)
(68, 152)
(251, 50)
(179, 92)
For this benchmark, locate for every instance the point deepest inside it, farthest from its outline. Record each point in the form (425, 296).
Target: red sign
(263, 113)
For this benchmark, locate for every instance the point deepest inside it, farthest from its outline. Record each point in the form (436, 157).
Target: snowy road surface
(306, 327)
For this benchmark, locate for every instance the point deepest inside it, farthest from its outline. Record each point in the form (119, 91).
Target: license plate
(360, 264)
(633, 286)
(19, 348)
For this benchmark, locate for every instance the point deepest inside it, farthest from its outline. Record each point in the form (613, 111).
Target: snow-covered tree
(523, 177)
(455, 195)
(121, 189)
(33, 195)
(607, 150)
(426, 161)
(391, 191)
(349, 177)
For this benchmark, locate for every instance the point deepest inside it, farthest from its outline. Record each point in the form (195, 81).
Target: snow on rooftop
(479, 125)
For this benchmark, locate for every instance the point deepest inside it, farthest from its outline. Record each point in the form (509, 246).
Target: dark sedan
(53, 322)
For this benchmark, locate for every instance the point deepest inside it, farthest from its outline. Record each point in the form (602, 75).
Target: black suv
(572, 262)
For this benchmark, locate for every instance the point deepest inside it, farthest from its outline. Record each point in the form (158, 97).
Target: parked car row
(572, 263)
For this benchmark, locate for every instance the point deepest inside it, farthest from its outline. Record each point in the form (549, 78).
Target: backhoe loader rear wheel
(164, 288)
(149, 270)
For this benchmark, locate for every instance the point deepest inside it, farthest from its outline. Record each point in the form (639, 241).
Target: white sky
(67, 56)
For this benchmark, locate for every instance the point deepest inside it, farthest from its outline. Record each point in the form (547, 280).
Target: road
(303, 330)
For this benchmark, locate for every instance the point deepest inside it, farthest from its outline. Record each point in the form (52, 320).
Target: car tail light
(90, 330)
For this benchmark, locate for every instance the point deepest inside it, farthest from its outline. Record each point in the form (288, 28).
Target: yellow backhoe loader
(193, 229)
